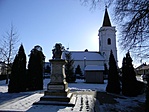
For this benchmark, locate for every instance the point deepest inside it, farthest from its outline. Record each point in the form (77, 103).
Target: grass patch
(109, 99)
(105, 98)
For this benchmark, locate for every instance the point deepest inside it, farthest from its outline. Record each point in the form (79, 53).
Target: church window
(109, 41)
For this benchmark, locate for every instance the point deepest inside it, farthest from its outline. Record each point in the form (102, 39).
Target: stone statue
(57, 51)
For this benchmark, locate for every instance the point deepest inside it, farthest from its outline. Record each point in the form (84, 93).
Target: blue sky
(46, 22)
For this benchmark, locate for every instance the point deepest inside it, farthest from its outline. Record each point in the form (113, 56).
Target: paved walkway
(19, 103)
(84, 103)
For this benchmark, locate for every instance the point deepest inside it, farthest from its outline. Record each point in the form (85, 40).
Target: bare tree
(133, 19)
(8, 48)
(96, 3)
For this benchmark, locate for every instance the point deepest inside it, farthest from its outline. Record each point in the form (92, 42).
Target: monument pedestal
(57, 90)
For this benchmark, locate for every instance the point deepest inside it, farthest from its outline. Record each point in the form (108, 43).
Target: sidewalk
(84, 103)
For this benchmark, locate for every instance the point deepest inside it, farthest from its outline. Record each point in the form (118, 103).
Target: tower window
(109, 41)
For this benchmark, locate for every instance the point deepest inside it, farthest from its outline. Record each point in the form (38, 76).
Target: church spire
(106, 21)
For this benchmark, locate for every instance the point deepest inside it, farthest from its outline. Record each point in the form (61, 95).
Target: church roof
(79, 55)
(106, 21)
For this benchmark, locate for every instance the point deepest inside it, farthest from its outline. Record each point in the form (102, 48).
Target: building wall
(106, 33)
(94, 76)
(83, 63)
(3, 68)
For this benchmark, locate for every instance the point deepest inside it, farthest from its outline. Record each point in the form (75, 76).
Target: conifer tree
(22, 68)
(113, 85)
(147, 97)
(69, 69)
(35, 69)
(18, 75)
(78, 70)
(13, 83)
(78, 73)
(129, 81)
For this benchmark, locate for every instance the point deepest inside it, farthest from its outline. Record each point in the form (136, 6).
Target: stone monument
(57, 90)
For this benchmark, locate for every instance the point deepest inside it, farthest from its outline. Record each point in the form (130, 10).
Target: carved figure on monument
(57, 51)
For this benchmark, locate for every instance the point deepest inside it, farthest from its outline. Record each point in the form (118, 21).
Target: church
(91, 62)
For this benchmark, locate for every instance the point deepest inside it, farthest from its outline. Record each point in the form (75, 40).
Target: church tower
(107, 39)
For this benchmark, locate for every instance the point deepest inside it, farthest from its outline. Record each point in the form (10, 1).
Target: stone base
(57, 100)
(57, 94)
(57, 90)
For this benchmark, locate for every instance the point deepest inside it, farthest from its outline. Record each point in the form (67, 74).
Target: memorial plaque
(55, 87)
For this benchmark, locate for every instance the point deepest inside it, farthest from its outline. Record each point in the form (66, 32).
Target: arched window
(109, 41)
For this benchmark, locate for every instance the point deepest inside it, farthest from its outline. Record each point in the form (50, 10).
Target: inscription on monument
(56, 87)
